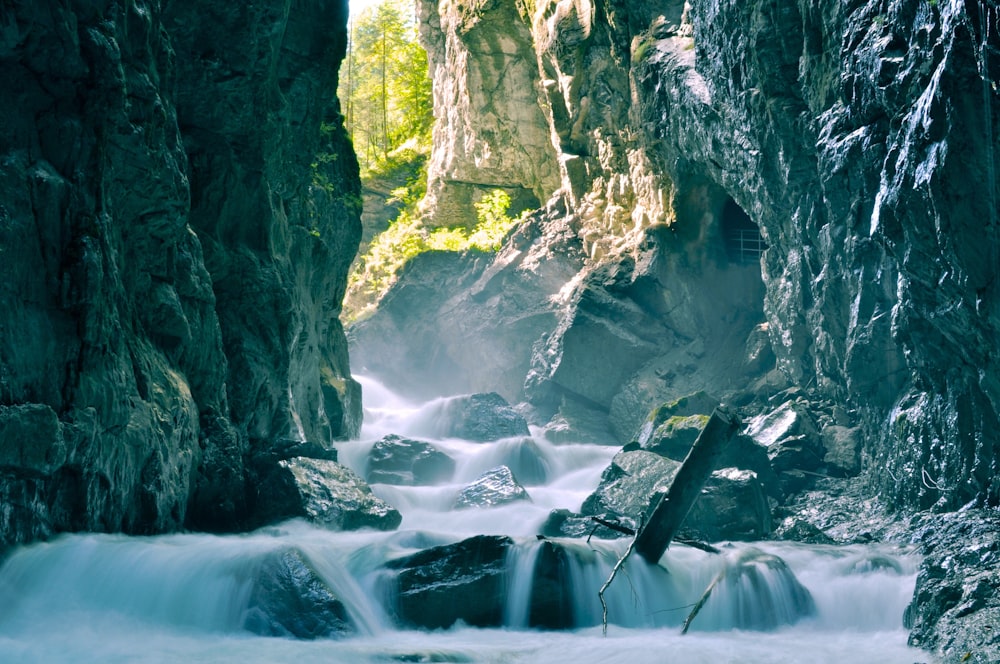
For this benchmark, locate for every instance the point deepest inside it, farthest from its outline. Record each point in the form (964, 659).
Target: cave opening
(742, 238)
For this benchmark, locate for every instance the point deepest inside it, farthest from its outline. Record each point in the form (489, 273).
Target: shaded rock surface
(398, 460)
(495, 487)
(171, 276)
(464, 581)
(324, 492)
(290, 599)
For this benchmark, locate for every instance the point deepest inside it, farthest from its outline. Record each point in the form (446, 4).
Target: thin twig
(614, 573)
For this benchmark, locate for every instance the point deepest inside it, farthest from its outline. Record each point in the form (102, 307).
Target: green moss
(378, 269)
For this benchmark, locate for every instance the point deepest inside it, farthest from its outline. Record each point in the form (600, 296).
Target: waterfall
(107, 598)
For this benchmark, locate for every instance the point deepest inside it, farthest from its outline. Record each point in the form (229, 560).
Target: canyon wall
(178, 208)
(855, 141)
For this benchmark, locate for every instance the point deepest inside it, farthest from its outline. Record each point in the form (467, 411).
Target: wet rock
(481, 417)
(564, 523)
(465, 581)
(290, 599)
(495, 487)
(324, 492)
(761, 593)
(955, 611)
(628, 484)
(799, 530)
(675, 436)
(843, 447)
(575, 422)
(398, 460)
(732, 506)
(793, 445)
(551, 604)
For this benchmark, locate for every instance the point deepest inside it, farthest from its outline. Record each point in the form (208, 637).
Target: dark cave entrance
(741, 236)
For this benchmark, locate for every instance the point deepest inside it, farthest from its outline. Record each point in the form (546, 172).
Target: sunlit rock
(495, 487)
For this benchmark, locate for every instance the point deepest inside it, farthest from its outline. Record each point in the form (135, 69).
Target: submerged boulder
(464, 581)
(755, 590)
(324, 492)
(482, 418)
(398, 460)
(551, 604)
(493, 488)
(290, 599)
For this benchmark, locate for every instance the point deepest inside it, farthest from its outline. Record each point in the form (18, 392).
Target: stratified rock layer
(171, 263)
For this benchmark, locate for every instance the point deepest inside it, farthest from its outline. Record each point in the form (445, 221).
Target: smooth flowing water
(108, 598)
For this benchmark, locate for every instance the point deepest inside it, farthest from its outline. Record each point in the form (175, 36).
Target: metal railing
(745, 246)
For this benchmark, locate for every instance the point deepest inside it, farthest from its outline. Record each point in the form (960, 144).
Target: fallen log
(670, 509)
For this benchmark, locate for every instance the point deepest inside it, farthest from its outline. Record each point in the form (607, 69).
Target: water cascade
(196, 597)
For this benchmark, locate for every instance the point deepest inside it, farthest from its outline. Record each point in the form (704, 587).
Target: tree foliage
(379, 267)
(384, 86)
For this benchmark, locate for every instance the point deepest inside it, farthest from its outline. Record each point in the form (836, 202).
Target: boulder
(398, 460)
(290, 599)
(628, 484)
(760, 591)
(675, 436)
(481, 417)
(793, 445)
(732, 506)
(551, 604)
(324, 492)
(564, 523)
(575, 422)
(493, 488)
(464, 581)
(843, 450)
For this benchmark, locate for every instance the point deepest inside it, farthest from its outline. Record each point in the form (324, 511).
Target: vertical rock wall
(859, 137)
(169, 259)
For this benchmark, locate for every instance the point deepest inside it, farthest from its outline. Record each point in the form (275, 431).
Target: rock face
(955, 605)
(839, 154)
(172, 263)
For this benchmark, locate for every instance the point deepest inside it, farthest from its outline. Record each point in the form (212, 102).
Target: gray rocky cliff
(855, 142)
(172, 260)
(756, 199)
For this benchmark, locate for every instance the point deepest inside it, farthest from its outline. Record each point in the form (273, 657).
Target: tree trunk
(669, 511)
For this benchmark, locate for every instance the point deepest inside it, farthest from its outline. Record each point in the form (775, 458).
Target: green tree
(386, 92)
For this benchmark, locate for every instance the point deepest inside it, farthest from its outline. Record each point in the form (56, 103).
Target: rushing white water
(106, 598)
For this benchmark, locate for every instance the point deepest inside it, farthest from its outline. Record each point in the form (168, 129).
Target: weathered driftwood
(668, 514)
